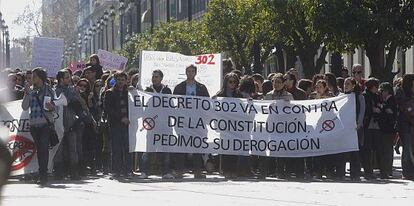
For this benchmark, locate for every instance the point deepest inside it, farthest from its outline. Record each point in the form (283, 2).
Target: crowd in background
(96, 123)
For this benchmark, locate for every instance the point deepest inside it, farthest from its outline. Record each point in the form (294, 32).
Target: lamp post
(106, 17)
(102, 21)
(90, 41)
(112, 14)
(80, 46)
(98, 31)
(138, 6)
(7, 48)
(5, 28)
(93, 37)
(85, 41)
(121, 21)
(1, 40)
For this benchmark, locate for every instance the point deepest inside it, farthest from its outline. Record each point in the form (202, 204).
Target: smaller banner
(15, 133)
(209, 68)
(47, 53)
(189, 124)
(111, 61)
(75, 66)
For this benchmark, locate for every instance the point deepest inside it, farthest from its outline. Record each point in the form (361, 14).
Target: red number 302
(205, 59)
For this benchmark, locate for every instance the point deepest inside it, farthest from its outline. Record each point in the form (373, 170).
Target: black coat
(388, 116)
(371, 100)
(201, 90)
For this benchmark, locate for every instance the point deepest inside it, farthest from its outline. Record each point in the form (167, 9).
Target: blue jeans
(407, 162)
(41, 140)
(121, 158)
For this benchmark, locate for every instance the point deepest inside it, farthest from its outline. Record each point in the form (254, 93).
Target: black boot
(58, 173)
(74, 173)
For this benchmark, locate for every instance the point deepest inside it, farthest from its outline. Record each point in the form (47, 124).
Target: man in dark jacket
(191, 87)
(116, 107)
(157, 87)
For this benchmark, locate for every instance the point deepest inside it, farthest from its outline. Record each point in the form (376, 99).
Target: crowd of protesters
(96, 123)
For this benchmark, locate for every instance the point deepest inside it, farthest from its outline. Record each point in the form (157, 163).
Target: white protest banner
(209, 69)
(189, 124)
(14, 122)
(47, 53)
(111, 61)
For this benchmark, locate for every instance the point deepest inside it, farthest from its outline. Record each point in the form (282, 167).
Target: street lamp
(121, 21)
(80, 45)
(93, 37)
(112, 14)
(7, 48)
(106, 17)
(1, 40)
(85, 41)
(5, 29)
(102, 21)
(98, 31)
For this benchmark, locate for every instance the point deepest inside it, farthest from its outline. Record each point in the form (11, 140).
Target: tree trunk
(290, 57)
(257, 65)
(280, 57)
(336, 63)
(308, 64)
(381, 64)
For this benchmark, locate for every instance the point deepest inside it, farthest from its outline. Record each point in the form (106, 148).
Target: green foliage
(184, 37)
(296, 31)
(237, 26)
(376, 26)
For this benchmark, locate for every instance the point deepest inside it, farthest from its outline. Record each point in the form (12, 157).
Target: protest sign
(47, 53)
(75, 66)
(209, 68)
(111, 61)
(15, 130)
(188, 124)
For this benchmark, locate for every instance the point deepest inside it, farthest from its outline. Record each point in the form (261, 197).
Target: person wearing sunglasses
(230, 89)
(358, 74)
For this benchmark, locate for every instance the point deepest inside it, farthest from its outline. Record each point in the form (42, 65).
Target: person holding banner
(296, 165)
(39, 98)
(230, 89)
(278, 93)
(351, 86)
(116, 107)
(321, 163)
(157, 87)
(190, 87)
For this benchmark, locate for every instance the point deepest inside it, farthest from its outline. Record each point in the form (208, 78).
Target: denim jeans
(121, 158)
(41, 140)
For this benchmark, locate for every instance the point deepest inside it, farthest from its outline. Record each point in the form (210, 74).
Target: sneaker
(168, 176)
(143, 176)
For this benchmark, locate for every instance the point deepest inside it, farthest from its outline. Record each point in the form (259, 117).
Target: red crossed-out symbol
(149, 123)
(328, 125)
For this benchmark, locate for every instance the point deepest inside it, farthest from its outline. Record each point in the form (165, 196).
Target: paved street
(215, 190)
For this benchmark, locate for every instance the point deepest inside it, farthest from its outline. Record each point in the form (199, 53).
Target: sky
(11, 9)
